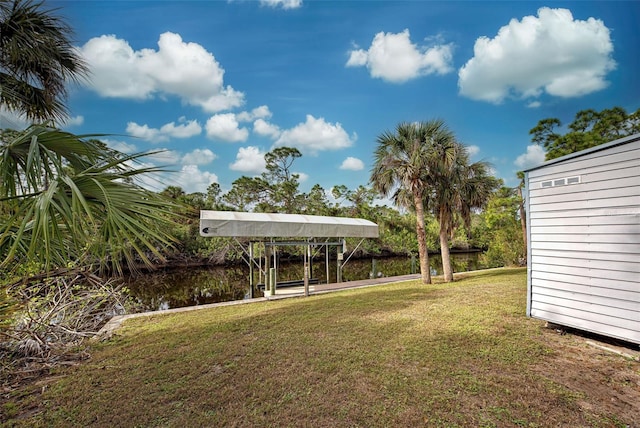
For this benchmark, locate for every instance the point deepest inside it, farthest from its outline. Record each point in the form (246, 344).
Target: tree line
(452, 193)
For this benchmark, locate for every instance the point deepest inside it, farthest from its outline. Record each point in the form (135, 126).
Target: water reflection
(197, 286)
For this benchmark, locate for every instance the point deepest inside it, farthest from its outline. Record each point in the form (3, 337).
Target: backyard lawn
(397, 355)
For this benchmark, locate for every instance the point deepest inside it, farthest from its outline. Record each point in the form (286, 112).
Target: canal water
(193, 286)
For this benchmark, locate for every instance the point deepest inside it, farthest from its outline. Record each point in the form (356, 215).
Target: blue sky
(220, 83)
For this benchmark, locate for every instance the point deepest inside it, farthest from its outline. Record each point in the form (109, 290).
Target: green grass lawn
(397, 355)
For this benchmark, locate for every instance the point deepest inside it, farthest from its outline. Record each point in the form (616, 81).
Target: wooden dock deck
(327, 288)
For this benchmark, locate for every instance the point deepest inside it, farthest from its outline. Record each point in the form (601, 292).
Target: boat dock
(327, 288)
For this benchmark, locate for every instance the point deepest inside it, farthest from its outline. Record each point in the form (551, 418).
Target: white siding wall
(584, 242)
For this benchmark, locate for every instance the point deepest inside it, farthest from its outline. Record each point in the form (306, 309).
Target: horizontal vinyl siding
(583, 193)
(593, 256)
(585, 279)
(585, 242)
(597, 296)
(591, 247)
(588, 263)
(587, 229)
(607, 274)
(616, 291)
(590, 310)
(600, 164)
(605, 202)
(577, 320)
(590, 217)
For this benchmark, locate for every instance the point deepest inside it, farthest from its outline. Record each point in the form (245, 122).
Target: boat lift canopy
(265, 225)
(268, 226)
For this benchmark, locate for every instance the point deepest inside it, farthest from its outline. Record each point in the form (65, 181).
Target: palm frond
(37, 59)
(81, 204)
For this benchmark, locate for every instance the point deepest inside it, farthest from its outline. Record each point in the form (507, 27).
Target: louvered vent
(560, 182)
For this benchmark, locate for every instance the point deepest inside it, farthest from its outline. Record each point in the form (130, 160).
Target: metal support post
(251, 270)
(272, 281)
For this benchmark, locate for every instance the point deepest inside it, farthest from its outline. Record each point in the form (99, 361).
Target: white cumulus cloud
(225, 127)
(145, 132)
(551, 52)
(261, 112)
(315, 135)
(393, 57)
(534, 156)
(285, 4)
(192, 179)
(266, 129)
(473, 150)
(352, 164)
(199, 157)
(74, 121)
(249, 159)
(186, 70)
(186, 129)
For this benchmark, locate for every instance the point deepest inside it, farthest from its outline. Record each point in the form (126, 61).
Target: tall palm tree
(402, 171)
(37, 59)
(68, 199)
(457, 188)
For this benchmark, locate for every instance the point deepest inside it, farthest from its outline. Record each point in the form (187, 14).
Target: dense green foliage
(590, 128)
(498, 230)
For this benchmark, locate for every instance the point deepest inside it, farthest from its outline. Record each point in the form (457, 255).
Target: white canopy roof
(241, 224)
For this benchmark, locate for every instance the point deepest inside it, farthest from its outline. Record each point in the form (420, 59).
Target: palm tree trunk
(422, 239)
(446, 256)
(523, 221)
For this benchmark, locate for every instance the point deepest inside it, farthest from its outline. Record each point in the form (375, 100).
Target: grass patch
(403, 354)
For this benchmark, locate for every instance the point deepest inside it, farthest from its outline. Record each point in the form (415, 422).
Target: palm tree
(37, 59)
(67, 199)
(457, 188)
(402, 170)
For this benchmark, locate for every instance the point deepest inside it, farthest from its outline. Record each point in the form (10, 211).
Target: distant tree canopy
(589, 129)
(275, 190)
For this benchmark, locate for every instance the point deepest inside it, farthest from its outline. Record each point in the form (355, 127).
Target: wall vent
(560, 182)
(573, 180)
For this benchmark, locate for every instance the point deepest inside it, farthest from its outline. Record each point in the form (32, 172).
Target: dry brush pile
(51, 319)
